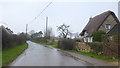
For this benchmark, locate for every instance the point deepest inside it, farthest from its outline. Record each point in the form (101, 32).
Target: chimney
(90, 18)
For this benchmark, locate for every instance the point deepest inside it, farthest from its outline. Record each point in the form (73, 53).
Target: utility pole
(46, 25)
(26, 30)
(119, 10)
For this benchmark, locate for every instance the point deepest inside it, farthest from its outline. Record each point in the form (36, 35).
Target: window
(110, 37)
(107, 26)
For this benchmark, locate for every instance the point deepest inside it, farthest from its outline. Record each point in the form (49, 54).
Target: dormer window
(107, 26)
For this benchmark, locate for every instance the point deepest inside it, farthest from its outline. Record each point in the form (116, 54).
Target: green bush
(66, 44)
(96, 47)
(97, 36)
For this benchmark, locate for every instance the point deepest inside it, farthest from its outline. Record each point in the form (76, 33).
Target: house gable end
(111, 19)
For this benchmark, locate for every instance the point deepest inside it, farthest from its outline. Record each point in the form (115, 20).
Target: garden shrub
(97, 36)
(66, 44)
(96, 47)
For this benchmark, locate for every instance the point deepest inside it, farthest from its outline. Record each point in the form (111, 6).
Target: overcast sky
(16, 15)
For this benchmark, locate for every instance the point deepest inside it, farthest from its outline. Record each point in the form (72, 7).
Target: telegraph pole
(46, 25)
(26, 30)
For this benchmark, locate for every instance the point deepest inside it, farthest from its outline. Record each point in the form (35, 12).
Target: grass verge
(11, 54)
(0, 58)
(53, 44)
(48, 43)
(102, 57)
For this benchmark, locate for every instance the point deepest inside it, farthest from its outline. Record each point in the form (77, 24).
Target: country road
(39, 55)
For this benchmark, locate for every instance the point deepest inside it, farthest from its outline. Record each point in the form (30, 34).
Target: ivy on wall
(97, 36)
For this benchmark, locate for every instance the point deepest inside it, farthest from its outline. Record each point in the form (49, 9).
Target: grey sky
(16, 15)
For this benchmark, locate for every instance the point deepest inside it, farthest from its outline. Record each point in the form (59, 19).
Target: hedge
(97, 36)
(9, 39)
(96, 47)
(66, 44)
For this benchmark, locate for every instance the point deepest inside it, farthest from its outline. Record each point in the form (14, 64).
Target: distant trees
(37, 34)
(48, 36)
(63, 30)
(40, 33)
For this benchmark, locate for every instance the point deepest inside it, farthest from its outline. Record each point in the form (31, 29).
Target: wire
(41, 12)
(44, 9)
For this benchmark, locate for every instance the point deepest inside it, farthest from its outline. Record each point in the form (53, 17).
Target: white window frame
(107, 26)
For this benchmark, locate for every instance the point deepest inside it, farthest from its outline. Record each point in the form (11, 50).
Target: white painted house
(105, 21)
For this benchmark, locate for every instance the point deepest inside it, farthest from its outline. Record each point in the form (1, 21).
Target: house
(105, 21)
(112, 46)
(114, 31)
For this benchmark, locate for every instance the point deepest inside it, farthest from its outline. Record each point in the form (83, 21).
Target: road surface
(39, 55)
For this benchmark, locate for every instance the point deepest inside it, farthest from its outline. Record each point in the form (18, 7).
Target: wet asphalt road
(39, 55)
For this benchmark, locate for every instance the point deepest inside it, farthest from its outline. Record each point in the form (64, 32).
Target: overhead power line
(42, 11)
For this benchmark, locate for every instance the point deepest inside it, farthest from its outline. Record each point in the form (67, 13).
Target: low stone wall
(81, 46)
(109, 49)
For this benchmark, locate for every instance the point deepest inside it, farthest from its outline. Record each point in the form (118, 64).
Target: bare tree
(63, 30)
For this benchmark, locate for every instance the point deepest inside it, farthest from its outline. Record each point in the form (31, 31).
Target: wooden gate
(111, 49)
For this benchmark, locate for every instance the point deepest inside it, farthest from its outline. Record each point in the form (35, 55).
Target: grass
(48, 43)
(11, 54)
(95, 55)
(0, 58)
(53, 44)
